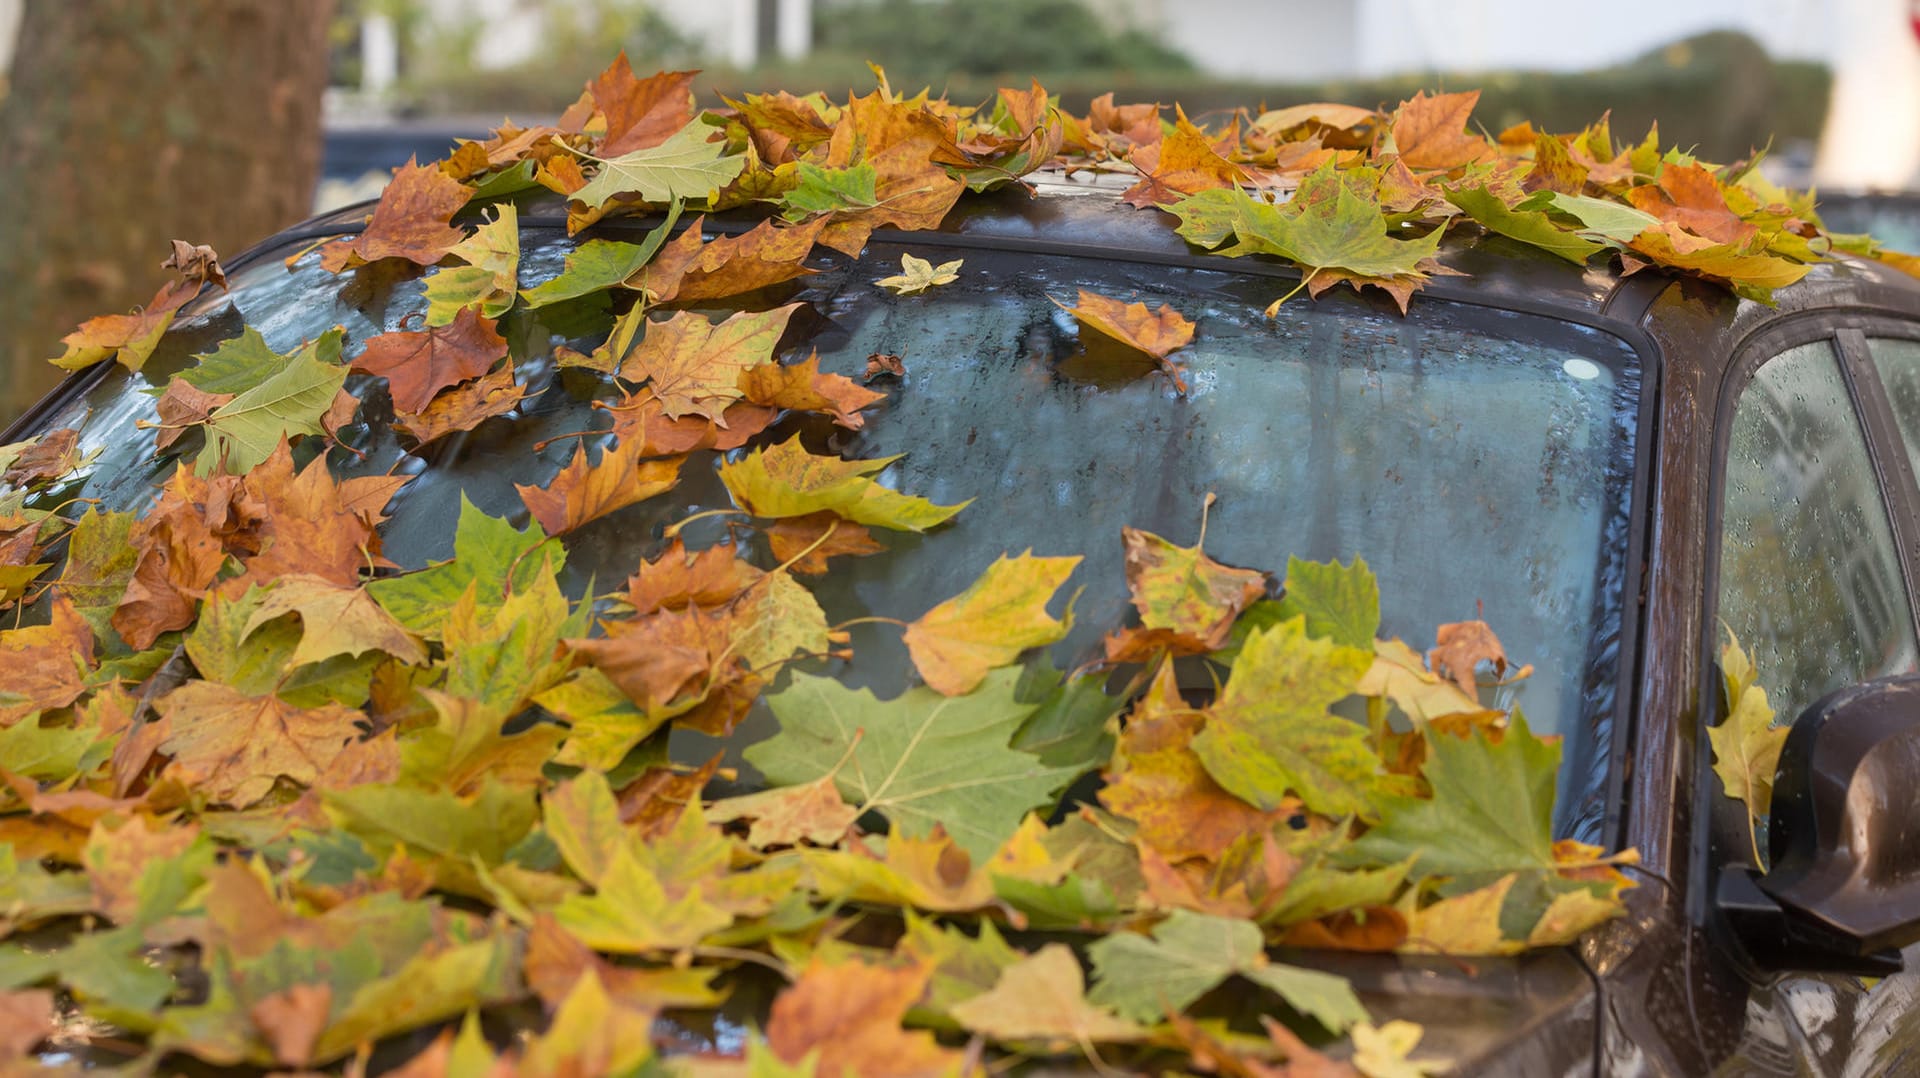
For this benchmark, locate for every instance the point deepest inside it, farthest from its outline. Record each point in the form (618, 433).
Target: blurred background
(126, 123)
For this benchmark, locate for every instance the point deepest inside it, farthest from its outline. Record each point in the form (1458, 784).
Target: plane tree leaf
(921, 759)
(1000, 615)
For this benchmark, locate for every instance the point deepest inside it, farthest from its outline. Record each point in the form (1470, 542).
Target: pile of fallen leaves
(266, 800)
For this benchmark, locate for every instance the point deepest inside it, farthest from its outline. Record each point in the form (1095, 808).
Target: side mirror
(1843, 891)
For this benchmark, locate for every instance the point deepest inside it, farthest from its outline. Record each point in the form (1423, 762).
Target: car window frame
(1719, 832)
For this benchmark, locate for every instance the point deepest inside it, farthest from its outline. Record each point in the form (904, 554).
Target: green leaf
(244, 431)
(920, 759)
(1070, 723)
(501, 654)
(237, 365)
(484, 549)
(1600, 218)
(1528, 226)
(1491, 811)
(506, 181)
(100, 562)
(1270, 731)
(1340, 602)
(1189, 954)
(632, 913)
(597, 265)
(685, 166)
(828, 190)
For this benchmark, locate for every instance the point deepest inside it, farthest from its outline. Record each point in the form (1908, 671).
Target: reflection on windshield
(1479, 462)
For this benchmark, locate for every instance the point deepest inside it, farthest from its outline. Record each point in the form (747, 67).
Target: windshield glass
(1479, 460)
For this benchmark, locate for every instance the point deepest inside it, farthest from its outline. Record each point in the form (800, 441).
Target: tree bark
(129, 123)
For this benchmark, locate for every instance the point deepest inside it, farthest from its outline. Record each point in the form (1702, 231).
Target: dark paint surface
(1660, 991)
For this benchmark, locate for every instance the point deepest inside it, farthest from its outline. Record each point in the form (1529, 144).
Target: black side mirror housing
(1843, 891)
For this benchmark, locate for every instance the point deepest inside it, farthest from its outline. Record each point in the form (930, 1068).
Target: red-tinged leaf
(417, 365)
(129, 338)
(232, 748)
(50, 457)
(850, 1015)
(640, 113)
(412, 221)
(1689, 196)
(643, 419)
(583, 492)
(464, 407)
(183, 405)
(676, 579)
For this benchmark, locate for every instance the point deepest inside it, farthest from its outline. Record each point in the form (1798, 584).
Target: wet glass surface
(1809, 578)
(1479, 460)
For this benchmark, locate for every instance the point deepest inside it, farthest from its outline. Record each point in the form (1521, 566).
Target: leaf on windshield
(413, 221)
(419, 364)
(131, 338)
(693, 366)
(784, 480)
(583, 492)
(918, 275)
(1000, 615)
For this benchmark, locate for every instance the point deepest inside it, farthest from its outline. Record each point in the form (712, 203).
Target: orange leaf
(1460, 646)
(417, 365)
(1430, 132)
(412, 221)
(232, 747)
(46, 664)
(464, 407)
(1690, 197)
(909, 147)
(1160, 784)
(308, 523)
(850, 1014)
(581, 493)
(291, 1020)
(180, 545)
(642, 418)
(640, 113)
(689, 271)
(26, 1019)
(1155, 333)
(792, 536)
(1180, 164)
(676, 579)
(48, 458)
(801, 387)
(131, 338)
(693, 365)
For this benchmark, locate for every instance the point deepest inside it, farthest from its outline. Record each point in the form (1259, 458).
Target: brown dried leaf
(583, 492)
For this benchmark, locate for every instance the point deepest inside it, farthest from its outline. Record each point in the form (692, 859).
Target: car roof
(1082, 214)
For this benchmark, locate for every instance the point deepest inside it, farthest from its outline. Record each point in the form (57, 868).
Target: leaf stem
(871, 619)
(811, 547)
(741, 954)
(1274, 307)
(673, 530)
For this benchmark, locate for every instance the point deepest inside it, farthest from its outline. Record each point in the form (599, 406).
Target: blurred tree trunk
(129, 123)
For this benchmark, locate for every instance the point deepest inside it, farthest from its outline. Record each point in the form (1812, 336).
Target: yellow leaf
(334, 620)
(1466, 924)
(1381, 1052)
(1746, 746)
(918, 275)
(1000, 615)
(1043, 998)
(693, 365)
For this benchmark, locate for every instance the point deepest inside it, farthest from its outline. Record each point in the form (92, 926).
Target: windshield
(1479, 460)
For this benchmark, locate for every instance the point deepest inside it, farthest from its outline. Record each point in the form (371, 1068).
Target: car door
(1815, 577)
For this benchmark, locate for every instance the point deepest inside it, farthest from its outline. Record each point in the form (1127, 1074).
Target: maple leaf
(909, 147)
(131, 338)
(1159, 783)
(1189, 954)
(580, 492)
(788, 815)
(1461, 646)
(1183, 162)
(800, 387)
(1383, 1052)
(47, 664)
(690, 270)
(1746, 268)
(488, 281)
(463, 407)
(43, 459)
(641, 113)
(1330, 229)
(412, 221)
(918, 275)
(920, 759)
(684, 166)
(1491, 810)
(486, 549)
(557, 960)
(806, 543)
(1270, 731)
(693, 366)
(847, 1016)
(1530, 226)
(1187, 601)
(334, 620)
(1428, 132)
(233, 747)
(1043, 998)
(1001, 614)
(290, 402)
(597, 265)
(419, 364)
(1746, 744)
(307, 523)
(784, 480)
(183, 406)
(1689, 196)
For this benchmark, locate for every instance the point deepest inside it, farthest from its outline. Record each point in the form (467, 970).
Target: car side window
(1810, 578)
(1898, 361)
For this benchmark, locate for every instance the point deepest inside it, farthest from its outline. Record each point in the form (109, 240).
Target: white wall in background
(1872, 139)
(9, 30)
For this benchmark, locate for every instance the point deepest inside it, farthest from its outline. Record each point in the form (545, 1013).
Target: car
(363, 715)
